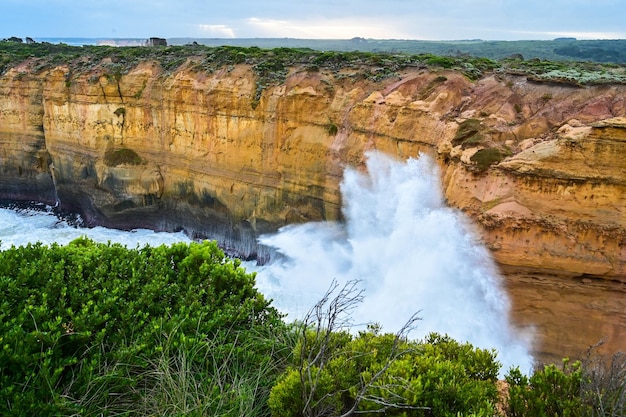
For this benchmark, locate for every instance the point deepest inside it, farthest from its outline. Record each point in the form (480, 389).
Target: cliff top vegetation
(271, 65)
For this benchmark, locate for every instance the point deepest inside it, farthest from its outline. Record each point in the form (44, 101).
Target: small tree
(337, 374)
(328, 376)
(547, 392)
(604, 383)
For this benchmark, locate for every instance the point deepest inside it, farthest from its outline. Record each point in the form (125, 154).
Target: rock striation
(538, 167)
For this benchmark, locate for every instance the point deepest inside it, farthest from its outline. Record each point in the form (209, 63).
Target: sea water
(19, 227)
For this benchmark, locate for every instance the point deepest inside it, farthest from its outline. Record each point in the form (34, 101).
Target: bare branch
(327, 318)
(401, 335)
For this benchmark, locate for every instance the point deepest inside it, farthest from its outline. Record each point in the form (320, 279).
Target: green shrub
(84, 328)
(467, 130)
(122, 156)
(548, 392)
(438, 377)
(484, 158)
(441, 61)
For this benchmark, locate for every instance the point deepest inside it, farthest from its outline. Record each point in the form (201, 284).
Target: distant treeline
(561, 49)
(598, 51)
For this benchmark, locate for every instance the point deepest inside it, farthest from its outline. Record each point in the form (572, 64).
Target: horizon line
(561, 38)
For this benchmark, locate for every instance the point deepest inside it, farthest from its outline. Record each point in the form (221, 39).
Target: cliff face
(558, 204)
(539, 167)
(191, 150)
(24, 158)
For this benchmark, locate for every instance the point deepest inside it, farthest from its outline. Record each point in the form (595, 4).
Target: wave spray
(410, 253)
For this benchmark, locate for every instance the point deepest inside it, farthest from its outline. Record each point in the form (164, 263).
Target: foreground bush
(593, 387)
(547, 392)
(334, 373)
(95, 329)
(434, 377)
(92, 329)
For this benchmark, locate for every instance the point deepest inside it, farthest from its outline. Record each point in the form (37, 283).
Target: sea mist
(410, 253)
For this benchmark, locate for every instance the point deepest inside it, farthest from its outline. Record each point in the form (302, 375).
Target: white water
(408, 250)
(21, 227)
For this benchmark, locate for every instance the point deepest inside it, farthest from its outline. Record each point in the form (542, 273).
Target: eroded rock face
(540, 168)
(190, 150)
(24, 159)
(558, 204)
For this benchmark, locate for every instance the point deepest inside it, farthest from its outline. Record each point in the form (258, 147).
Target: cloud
(344, 19)
(569, 34)
(217, 31)
(320, 28)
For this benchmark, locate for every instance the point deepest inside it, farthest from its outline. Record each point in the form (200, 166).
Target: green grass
(270, 62)
(271, 66)
(485, 158)
(553, 50)
(468, 132)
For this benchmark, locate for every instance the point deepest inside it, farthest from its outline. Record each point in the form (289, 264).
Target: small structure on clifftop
(156, 42)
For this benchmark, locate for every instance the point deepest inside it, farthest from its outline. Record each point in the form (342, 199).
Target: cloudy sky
(338, 19)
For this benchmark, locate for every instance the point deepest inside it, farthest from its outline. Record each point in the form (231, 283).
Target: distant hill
(560, 49)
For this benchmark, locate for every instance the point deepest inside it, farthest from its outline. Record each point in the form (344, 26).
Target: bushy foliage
(437, 376)
(467, 131)
(576, 74)
(547, 392)
(99, 329)
(582, 76)
(84, 327)
(122, 156)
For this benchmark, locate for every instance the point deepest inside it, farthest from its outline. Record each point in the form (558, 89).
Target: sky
(315, 19)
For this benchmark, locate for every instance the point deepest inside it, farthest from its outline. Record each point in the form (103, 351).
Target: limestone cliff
(190, 149)
(24, 158)
(539, 167)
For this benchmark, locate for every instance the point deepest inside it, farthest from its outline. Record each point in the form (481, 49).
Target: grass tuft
(122, 156)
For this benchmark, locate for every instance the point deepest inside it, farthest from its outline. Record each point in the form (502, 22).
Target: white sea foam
(20, 227)
(409, 251)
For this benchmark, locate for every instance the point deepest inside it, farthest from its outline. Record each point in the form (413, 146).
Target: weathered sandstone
(192, 150)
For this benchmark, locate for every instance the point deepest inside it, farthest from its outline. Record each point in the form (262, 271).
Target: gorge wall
(538, 167)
